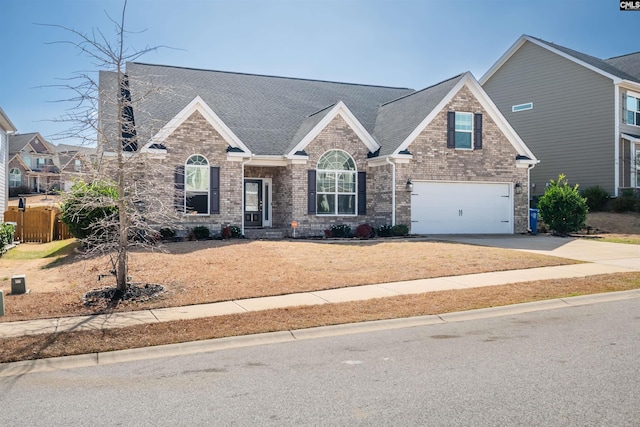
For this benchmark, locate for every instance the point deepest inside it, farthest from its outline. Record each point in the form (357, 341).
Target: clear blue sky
(407, 43)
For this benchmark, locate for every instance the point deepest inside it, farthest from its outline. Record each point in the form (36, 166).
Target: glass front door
(253, 203)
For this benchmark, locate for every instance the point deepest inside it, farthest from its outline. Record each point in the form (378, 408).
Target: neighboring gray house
(6, 128)
(580, 115)
(262, 152)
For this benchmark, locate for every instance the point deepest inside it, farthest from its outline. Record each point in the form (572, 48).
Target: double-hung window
(196, 185)
(633, 110)
(336, 184)
(464, 130)
(15, 178)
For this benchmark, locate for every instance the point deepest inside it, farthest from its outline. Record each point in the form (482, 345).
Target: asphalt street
(574, 366)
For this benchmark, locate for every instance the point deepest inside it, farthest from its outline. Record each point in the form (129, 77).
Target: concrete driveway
(582, 249)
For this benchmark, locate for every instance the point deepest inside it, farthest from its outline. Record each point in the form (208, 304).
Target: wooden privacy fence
(39, 224)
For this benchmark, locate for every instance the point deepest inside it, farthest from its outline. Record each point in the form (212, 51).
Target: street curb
(193, 347)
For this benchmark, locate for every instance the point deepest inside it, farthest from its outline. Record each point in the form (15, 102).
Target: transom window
(336, 184)
(196, 185)
(15, 178)
(464, 130)
(633, 110)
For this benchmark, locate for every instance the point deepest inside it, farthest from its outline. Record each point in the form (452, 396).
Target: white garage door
(461, 208)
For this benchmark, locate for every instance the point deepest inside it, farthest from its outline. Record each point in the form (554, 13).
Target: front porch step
(266, 233)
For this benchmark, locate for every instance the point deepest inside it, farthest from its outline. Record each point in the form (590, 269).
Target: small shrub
(562, 208)
(596, 198)
(231, 231)
(340, 230)
(167, 233)
(201, 232)
(384, 231)
(328, 233)
(626, 202)
(90, 211)
(364, 231)
(400, 230)
(236, 232)
(6, 236)
(15, 191)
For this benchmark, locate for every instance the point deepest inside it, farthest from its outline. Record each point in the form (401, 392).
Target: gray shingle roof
(18, 141)
(269, 114)
(397, 119)
(630, 64)
(604, 65)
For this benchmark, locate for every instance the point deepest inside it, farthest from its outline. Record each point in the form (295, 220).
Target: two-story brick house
(32, 163)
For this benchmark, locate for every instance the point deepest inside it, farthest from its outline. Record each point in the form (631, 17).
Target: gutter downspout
(529, 195)
(244, 162)
(616, 139)
(393, 191)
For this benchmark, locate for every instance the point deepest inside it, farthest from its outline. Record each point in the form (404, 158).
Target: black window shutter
(311, 192)
(624, 108)
(214, 190)
(362, 193)
(178, 198)
(477, 131)
(451, 129)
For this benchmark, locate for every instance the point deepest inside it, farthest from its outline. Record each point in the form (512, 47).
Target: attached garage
(461, 208)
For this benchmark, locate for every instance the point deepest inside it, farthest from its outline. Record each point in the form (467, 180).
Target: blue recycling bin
(533, 220)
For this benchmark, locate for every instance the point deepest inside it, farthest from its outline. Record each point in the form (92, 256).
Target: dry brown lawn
(210, 271)
(200, 272)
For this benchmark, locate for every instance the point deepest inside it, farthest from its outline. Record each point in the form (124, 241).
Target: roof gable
(33, 141)
(317, 122)
(467, 80)
(197, 104)
(590, 62)
(400, 120)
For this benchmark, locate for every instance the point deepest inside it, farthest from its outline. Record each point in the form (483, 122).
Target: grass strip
(71, 343)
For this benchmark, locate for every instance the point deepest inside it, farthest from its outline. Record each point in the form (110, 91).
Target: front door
(253, 203)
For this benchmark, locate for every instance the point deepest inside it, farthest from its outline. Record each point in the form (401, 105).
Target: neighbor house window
(15, 178)
(40, 163)
(77, 165)
(196, 185)
(336, 184)
(464, 130)
(632, 107)
(522, 107)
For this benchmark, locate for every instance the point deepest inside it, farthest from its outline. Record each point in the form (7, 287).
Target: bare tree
(126, 214)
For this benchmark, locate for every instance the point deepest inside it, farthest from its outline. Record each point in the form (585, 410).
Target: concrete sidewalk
(602, 258)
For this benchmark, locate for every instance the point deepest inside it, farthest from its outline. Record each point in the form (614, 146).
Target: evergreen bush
(562, 208)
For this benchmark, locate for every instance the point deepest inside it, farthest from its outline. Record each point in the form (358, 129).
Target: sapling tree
(115, 210)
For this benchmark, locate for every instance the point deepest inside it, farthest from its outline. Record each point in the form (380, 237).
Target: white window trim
(19, 175)
(625, 109)
(455, 129)
(522, 107)
(208, 192)
(337, 193)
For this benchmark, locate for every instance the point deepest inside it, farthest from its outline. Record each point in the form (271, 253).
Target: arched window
(336, 184)
(196, 185)
(15, 178)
